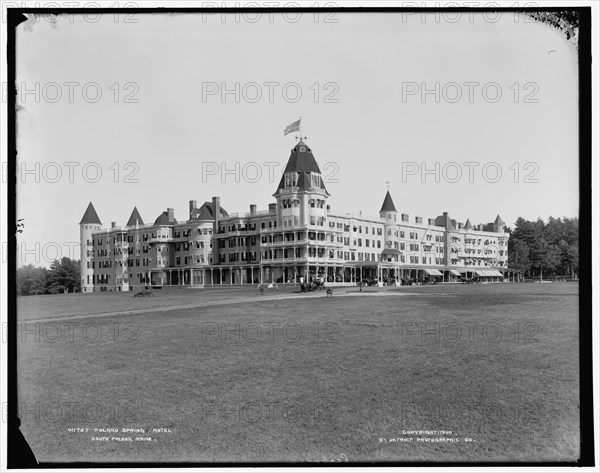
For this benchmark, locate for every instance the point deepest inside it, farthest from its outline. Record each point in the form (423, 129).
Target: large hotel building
(299, 236)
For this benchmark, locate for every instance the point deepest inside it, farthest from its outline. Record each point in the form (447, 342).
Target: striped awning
(488, 273)
(481, 272)
(454, 272)
(432, 272)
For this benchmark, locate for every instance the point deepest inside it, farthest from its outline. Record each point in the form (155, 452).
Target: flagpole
(300, 127)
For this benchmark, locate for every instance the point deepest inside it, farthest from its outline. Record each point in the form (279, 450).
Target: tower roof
(303, 162)
(135, 219)
(90, 216)
(468, 225)
(388, 204)
(163, 219)
(499, 221)
(301, 159)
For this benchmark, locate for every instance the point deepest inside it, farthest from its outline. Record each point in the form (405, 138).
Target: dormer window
(314, 180)
(291, 179)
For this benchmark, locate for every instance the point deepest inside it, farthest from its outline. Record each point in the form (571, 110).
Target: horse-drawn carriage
(312, 286)
(473, 280)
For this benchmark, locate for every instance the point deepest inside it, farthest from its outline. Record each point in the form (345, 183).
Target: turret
(389, 213)
(388, 209)
(89, 223)
(498, 225)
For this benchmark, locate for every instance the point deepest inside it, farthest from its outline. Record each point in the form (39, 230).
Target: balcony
(155, 240)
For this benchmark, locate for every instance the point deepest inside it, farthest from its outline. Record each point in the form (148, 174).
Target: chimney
(192, 208)
(272, 208)
(171, 214)
(252, 209)
(113, 224)
(216, 204)
(460, 225)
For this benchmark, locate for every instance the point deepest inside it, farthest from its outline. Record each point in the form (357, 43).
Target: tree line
(63, 276)
(539, 249)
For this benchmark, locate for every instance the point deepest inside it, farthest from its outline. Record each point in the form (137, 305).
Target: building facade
(299, 237)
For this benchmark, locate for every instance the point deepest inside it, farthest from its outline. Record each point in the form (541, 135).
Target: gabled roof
(205, 212)
(90, 216)
(163, 219)
(499, 221)
(388, 204)
(445, 221)
(468, 225)
(135, 219)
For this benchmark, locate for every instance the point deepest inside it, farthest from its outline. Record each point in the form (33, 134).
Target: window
(314, 179)
(290, 179)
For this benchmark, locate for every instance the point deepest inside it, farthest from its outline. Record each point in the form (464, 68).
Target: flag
(292, 127)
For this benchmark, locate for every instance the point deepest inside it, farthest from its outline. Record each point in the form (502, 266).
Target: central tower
(301, 194)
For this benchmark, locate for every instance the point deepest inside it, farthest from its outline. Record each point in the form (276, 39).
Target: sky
(132, 113)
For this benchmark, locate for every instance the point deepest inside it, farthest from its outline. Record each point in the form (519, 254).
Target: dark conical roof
(135, 219)
(499, 221)
(468, 225)
(388, 204)
(90, 216)
(302, 161)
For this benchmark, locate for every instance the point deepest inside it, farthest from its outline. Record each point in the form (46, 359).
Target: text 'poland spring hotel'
(298, 236)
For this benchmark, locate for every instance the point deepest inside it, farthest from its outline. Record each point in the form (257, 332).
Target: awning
(432, 272)
(478, 272)
(454, 272)
(488, 273)
(494, 273)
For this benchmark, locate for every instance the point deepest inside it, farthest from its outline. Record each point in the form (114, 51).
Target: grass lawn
(294, 377)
